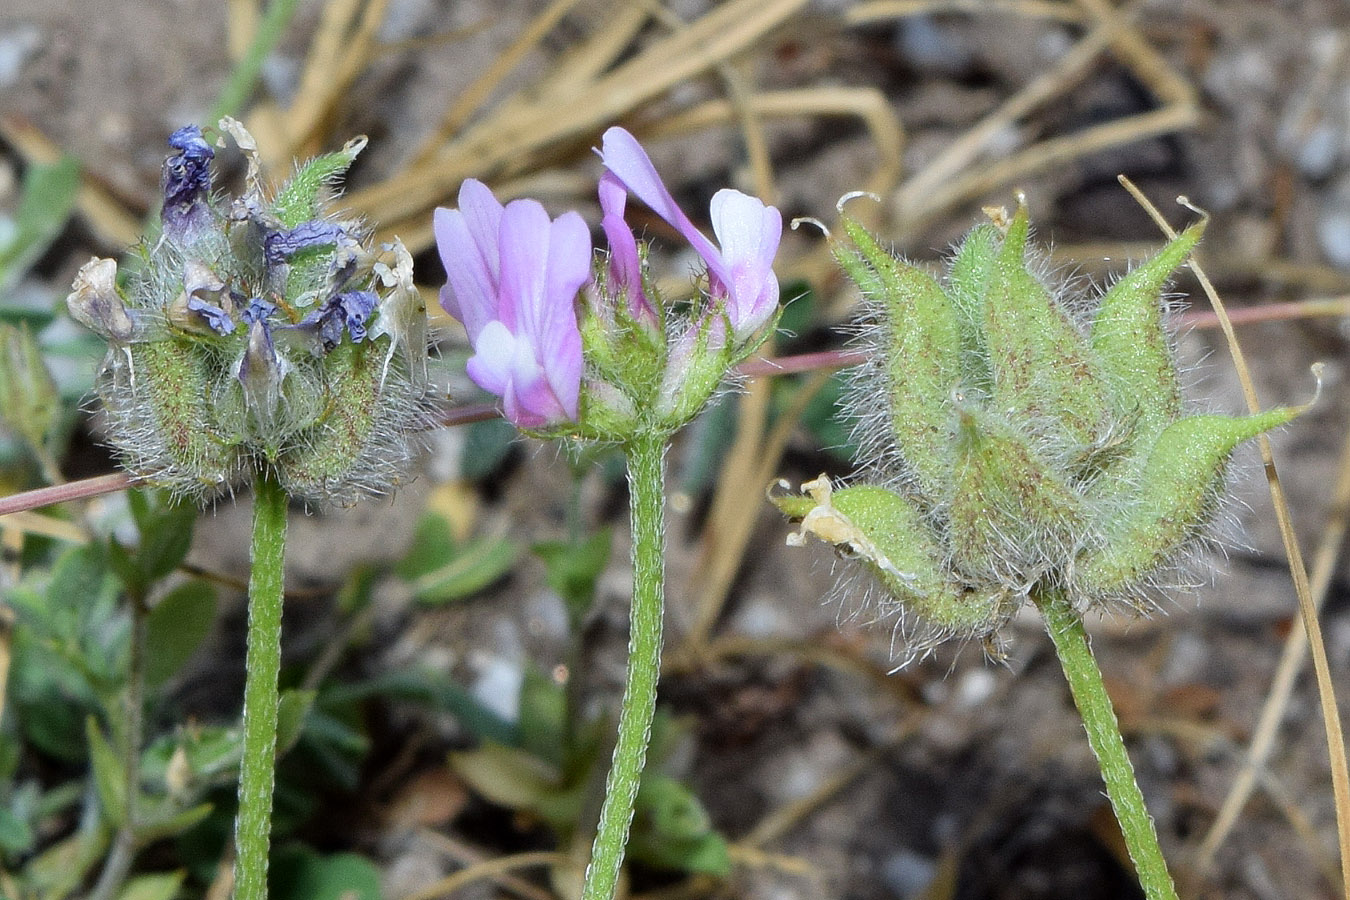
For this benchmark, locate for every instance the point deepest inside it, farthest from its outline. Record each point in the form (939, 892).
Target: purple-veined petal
(513, 277)
(524, 260)
(569, 268)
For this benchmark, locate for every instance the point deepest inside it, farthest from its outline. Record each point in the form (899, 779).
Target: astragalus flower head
(514, 276)
(1010, 452)
(259, 334)
(587, 347)
(740, 270)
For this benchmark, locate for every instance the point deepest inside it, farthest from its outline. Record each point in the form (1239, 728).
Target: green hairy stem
(1099, 719)
(646, 485)
(257, 775)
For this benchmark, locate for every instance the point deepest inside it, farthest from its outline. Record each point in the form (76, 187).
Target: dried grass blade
(882, 10)
(1039, 157)
(487, 147)
(1331, 718)
(1292, 658)
(325, 50)
(473, 97)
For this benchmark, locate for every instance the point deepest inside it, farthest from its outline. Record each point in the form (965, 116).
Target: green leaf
(170, 824)
(293, 710)
(507, 776)
(80, 580)
(162, 886)
(58, 871)
(436, 689)
(49, 191)
(299, 873)
(574, 568)
(671, 829)
(16, 835)
(29, 401)
(166, 532)
(176, 627)
(543, 717)
(476, 565)
(486, 445)
(432, 544)
(109, 774)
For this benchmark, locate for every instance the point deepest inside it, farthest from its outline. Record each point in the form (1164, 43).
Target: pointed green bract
(327, 452)
(304, 195)
(176, 387)
(967, 283)
(1130, 338)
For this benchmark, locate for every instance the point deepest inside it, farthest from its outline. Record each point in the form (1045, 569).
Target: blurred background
(455, 652)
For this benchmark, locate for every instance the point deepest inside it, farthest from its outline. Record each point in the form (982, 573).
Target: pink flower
(740, 271)
(513, 281)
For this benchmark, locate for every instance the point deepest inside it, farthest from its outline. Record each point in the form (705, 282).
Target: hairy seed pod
(1130, 339)
(921, 342)
(1181, 483)
(1011, 512)
(885, 532)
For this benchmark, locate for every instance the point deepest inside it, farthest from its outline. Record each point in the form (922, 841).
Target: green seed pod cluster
(1016, 440)
(259, 334)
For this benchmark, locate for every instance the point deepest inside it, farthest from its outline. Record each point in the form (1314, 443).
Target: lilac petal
(490, 366)
(484, 215)
(625, 267)
(613, 195)
(625, 264)
(534, 402)
(467, 238)
(257, 310)
(624, 156)
(215, 318)
(748, 232)
(470, 294)
(559, 345)
(524, 257)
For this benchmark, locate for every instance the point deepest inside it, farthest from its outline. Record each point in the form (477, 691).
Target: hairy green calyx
(1010, 448)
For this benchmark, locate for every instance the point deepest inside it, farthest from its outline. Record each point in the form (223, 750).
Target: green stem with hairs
(1099, 718)
(646, 489)
(257, 774)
